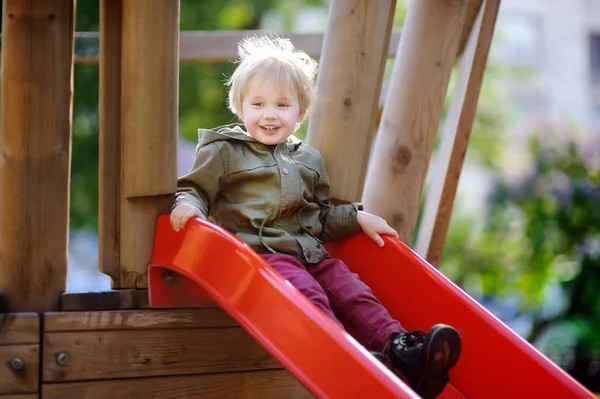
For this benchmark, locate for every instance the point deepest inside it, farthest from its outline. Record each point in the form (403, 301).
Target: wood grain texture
(272, 384)
(454, 141)
(136, 320)
(104, 300)
(19, 328)
(221, 46)
(149, 97)
(97, 355)
(24, 380)
(471, 15)
(35, 150)
(342, 121)
(412, 112)
(109, 140)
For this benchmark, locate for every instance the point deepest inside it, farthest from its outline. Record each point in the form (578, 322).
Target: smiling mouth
(270, 129)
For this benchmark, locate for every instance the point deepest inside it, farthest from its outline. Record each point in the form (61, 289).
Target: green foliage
(540, 237)
(84, 162)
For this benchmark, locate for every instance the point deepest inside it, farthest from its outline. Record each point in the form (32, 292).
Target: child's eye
(257, 104)
(283, 105)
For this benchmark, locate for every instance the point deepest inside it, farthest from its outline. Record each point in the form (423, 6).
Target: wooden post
(35, 150)
(149, 110)
(342, 123)
(454, 141)
(408, 129)
(470, 16)
(110, 139)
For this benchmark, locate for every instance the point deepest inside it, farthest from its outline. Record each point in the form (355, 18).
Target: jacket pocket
(312, 250)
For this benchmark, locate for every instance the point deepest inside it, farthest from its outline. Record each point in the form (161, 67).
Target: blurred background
(524, 239)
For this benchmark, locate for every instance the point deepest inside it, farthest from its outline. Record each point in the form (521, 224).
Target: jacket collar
(238, 131)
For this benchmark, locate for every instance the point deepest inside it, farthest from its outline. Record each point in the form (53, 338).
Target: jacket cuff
(342, 222)
(192, 200)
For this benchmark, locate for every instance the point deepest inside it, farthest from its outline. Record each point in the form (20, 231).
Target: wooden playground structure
(113, 344)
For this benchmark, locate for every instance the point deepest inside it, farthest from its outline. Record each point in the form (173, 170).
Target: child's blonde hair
(277, 57)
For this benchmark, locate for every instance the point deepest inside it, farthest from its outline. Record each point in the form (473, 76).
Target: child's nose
(270, 113)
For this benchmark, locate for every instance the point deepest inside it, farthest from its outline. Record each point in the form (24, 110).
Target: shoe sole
(441, 338)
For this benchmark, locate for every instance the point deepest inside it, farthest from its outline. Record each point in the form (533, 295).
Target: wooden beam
(472, 12)
(220, 46)
(408, 129)
(342, 123)
(35, 159)
(454, 141)
(138, 320)
(158, 353)
(214, 46)
(102, 355)
(149, 112)
(268, 384)
(104, 300)
(109, 104)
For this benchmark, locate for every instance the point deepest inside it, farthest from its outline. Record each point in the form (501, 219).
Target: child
(272, 191)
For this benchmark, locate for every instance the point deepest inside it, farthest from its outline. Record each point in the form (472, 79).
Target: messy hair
(272, 56)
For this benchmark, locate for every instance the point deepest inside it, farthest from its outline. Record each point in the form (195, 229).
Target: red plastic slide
(204, 263)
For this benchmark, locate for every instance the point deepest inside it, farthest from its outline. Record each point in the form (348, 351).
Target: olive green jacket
(274, 198)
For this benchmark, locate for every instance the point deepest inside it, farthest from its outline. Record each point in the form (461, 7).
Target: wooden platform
(176, 353)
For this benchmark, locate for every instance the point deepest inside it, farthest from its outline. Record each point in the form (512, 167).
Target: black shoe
(425, 359)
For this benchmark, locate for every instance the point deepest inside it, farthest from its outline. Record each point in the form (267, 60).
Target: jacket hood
(236, 132)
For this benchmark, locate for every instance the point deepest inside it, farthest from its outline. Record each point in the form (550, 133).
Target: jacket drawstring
(260, 231)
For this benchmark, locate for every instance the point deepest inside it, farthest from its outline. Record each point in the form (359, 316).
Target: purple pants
(341, 295)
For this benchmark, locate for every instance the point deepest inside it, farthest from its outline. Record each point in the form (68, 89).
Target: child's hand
(373, 226)
(182, 213)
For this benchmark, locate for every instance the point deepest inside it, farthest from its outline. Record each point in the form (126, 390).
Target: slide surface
(205, 264)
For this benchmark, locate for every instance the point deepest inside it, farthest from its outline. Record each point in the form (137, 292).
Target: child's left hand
(373, 226)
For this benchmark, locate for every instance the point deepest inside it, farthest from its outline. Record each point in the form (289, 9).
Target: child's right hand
(182, 213)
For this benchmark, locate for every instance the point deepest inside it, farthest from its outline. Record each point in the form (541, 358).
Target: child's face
(270, 110)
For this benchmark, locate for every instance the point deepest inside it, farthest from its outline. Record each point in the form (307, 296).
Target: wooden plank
(25, 379)
(349, 82)
(137, 225)
(35, 137)
(453, 144)
(270, 384)
(97, 355)
(412, 112)
(136, 320)
(24, 396)
(104, 300)
(109, 109)
(216, 46)
(149, 101)
(19, 328)
(471, 15)
(212, 46)
(149, 97)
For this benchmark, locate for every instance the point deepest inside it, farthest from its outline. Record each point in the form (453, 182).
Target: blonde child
(272, 191)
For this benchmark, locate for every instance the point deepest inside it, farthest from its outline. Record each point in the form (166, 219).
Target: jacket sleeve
(199, 187)
(338, 221)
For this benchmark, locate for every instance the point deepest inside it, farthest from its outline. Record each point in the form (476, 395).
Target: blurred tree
(539, 246)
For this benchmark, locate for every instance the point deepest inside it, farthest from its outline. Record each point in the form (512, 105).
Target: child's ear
(301, 115)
